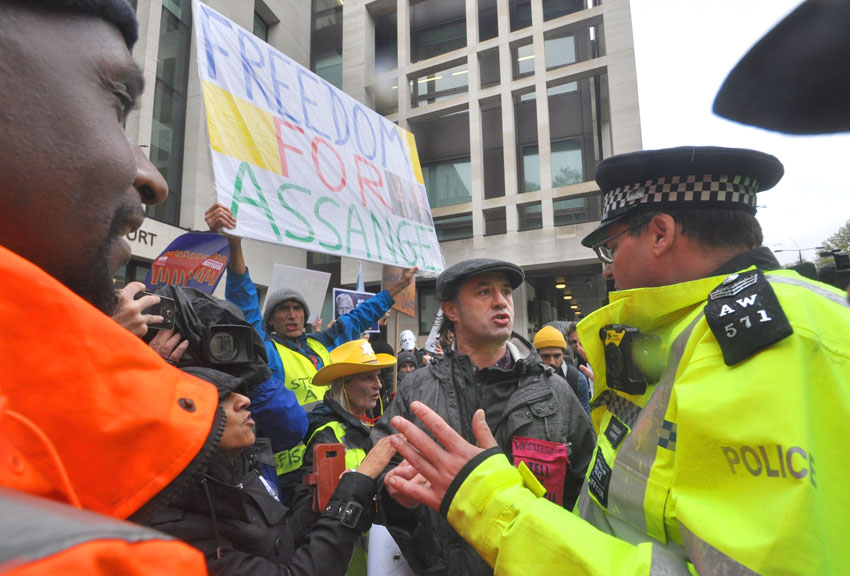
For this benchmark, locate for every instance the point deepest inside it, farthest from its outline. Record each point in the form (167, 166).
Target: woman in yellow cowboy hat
(355, 389)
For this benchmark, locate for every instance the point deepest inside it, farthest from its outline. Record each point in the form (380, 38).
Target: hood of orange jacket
(96, 403)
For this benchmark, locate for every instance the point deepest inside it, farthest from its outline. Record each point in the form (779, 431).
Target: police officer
(724, 460)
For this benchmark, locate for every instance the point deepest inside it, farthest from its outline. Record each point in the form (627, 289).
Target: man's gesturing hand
(438, 466)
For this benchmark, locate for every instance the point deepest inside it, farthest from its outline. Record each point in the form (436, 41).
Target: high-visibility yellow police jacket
(739, 468)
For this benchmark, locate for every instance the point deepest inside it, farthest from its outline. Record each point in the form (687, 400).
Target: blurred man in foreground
(89, 415)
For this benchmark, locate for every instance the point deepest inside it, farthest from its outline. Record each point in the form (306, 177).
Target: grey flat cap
(451, 278)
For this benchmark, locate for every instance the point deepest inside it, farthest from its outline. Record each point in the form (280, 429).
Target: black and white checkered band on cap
(722, 190)
(695, 177)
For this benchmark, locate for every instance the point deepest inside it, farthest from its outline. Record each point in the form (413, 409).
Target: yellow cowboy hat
(351, 358)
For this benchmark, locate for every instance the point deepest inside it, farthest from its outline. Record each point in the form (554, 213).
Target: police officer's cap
(797, 78)
(686, 177)
(451, 278)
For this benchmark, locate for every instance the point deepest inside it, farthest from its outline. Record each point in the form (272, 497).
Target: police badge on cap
(685, 177)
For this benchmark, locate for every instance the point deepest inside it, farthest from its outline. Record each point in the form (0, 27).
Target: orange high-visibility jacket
(90, 415)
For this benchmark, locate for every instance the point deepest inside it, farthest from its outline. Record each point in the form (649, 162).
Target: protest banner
(347, 300)
(405, 301)
(301, 163)
(195, 259)
(311, 284)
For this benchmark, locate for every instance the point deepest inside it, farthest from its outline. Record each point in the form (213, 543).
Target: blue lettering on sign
(209, 48)
(389, 130)
(278, 84)
(248, 65)
(305, 76)
(365, 116)
(337, 109)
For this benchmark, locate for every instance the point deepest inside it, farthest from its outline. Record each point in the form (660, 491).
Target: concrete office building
(512, 102)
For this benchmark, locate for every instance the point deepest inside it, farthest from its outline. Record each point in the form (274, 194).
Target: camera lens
(223, 346)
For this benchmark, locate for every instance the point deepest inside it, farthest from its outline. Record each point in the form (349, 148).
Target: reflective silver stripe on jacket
(34, 528)
(636, 456)
(820, 291)
(625, 516)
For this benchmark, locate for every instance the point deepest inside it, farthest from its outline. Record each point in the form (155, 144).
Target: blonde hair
(337, 392)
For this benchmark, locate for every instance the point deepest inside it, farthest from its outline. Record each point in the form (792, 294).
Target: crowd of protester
(130, 449)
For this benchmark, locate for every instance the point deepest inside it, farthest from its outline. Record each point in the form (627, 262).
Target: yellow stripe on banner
(241, 130)
(414, 155)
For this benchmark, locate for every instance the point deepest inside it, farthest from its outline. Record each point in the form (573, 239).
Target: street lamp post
(799, 251)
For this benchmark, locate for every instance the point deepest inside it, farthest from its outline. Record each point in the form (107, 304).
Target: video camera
(837, 272)
(631, 359)
(219, 336)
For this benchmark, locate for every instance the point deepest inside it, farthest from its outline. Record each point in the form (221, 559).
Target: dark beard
(94, 284)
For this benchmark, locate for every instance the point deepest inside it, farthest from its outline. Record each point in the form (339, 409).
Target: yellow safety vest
(736, 467)
(353, 458)
(298, 373)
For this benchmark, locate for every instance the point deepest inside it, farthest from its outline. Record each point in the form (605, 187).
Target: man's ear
(450, 310)
(664, 231)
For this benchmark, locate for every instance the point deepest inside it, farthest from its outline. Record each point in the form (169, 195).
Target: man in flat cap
(536, 417)
(90, 417)
(721, 381)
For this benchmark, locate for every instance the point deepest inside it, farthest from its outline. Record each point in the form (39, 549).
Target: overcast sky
(684, 50)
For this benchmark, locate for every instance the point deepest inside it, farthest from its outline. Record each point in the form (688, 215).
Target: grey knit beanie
(279, 297)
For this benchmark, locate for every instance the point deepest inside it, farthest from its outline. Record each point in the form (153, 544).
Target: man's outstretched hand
(436, 466)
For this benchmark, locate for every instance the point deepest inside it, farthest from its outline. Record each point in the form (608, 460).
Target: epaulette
(745, 316)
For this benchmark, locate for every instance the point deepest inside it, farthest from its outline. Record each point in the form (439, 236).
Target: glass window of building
(448, 182)
(169, 105)
(443, 145)
(567, 163)
(133, 271)
(523, 60)
(439, 85)
(436, 27)
(530, 216)
(530, 169)
(261, 28)
(453, 227)
(576, 210)
(428, 306)
(495, 221)
(520, 11)
(488, 20)
(494, 154)
(562, 89)
(556, 8)
(488, 67)
(560, 51)
(386, 42)
(525, 110)
(326, 41)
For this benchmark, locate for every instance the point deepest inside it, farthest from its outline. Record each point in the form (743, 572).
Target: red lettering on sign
(282, 146)
(547, 461)
(316, 141)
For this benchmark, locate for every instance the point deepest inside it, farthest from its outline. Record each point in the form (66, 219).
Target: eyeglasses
(603, 252)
